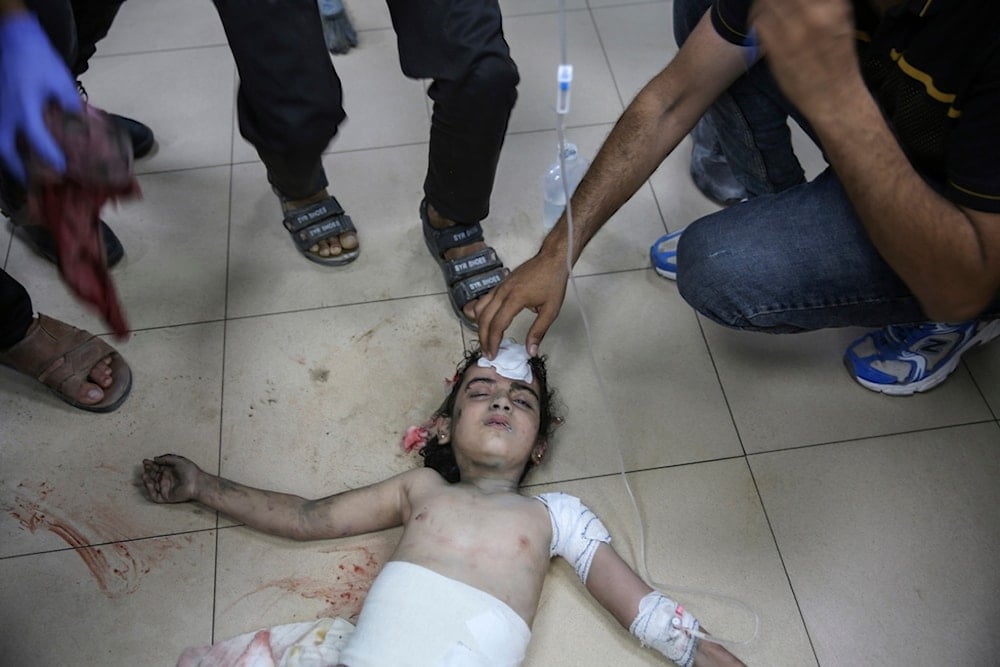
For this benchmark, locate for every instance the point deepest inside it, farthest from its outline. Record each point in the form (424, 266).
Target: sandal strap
(472, 288)
(317, 222)
(455, 236)
(67, 354)
(472, 265)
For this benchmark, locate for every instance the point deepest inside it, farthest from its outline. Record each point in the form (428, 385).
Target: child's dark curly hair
(440, 456)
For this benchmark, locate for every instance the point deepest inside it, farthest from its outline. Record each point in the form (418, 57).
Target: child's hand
(170, 479)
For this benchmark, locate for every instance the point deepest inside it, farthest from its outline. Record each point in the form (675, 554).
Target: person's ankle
(290, 203)
(437, 220)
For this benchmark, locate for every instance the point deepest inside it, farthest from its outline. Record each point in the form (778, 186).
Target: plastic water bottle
(552, 184)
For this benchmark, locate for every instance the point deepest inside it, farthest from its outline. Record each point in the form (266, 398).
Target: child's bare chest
(501, 548)
(478, 528)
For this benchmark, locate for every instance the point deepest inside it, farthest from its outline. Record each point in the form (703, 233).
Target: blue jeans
(795, 256)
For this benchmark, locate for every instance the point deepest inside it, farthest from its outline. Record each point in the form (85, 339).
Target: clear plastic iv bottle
(552, 184)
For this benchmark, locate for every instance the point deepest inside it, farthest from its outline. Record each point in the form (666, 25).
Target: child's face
(496, 420)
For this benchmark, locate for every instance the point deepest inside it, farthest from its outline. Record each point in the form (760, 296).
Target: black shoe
(141, 136)
(41, 241)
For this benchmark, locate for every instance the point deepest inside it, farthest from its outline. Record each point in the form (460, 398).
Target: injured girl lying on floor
(473, 553)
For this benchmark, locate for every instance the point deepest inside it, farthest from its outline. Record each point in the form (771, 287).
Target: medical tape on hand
(666, 626)
(576, 531)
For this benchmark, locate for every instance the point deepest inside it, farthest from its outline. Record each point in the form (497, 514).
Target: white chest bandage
(576, 531)
(666, 626)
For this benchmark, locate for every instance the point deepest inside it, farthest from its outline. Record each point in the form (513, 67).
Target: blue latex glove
(31, 76)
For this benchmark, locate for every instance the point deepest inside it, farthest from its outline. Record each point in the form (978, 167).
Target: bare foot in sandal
(321, 229)
(471, 268)
(75, 365)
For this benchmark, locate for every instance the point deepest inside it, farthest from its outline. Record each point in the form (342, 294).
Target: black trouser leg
(460, 44)
(16, 312)
(93, 20)
(289, 102)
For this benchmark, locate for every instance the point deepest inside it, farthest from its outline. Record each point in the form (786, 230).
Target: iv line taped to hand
(564, 78)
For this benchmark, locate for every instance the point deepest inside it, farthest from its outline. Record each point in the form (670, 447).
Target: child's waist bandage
(415, 617)
(576, 531)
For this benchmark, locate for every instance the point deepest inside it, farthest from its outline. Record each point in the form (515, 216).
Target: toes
(349, 241)
(100, 374)
(335, 246)
(90, 394)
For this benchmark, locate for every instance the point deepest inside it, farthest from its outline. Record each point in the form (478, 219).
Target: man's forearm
(929, 242)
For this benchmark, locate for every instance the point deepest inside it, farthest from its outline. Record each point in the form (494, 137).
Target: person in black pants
(289, 108)
(73, 27)
(78, 367)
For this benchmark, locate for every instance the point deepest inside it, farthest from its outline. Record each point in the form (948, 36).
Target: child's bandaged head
(512, 362)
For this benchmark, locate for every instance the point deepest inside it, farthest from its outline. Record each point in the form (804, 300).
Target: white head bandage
(511, 361)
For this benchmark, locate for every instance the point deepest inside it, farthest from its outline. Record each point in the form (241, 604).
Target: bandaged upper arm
(576, 531)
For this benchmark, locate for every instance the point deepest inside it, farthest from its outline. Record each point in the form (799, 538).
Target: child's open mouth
(499, 422)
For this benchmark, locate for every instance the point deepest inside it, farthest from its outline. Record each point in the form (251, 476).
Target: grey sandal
(318, 222)
(470, 277)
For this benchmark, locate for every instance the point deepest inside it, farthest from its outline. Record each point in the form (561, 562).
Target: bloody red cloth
(98, 169)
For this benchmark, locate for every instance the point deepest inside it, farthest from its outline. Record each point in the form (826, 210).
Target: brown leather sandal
(61, 357)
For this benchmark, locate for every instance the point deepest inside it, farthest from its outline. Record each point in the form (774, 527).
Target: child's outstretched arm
(174, 479)
(656, 620)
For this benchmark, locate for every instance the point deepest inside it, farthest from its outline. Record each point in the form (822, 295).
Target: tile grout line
(760, 497)
(225, 330)
(781, 559)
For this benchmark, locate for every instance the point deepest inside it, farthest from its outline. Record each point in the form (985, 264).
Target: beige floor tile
(534, 42)
(367, 16)
(704, 531)
(639, 41)
(265, 581)
(134, 603)
(266, 271)
(662, 404)
(614, 3)
(325, 408)
(984, 364)
(787, 391)
(174, 271)
(71, 477)
(890, 544)
(519, 7)
(186, 97)
(150, 25)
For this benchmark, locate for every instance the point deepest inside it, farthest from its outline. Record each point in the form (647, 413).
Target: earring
(442, 437)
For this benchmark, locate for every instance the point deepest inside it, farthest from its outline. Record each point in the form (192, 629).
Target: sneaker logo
(933, 345)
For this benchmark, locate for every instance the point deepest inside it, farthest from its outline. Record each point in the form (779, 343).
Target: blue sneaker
(901, 360)
(663, 254)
